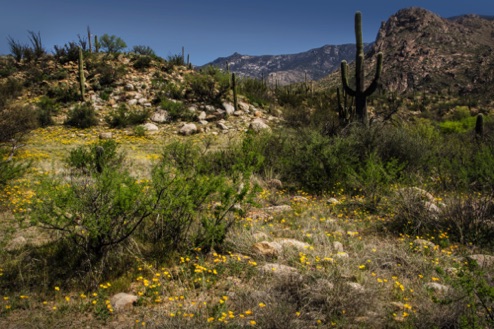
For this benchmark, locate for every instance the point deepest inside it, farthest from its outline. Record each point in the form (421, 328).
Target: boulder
(105, 135)
(188, 129)
(338, 246)
(228, 108)
(258, 125)
(160, 116)
(151, 127)
(267, 248)
(279, 270)
(123, 301)
(483, 261)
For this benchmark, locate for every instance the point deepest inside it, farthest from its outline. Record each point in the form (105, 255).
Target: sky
(208, 29)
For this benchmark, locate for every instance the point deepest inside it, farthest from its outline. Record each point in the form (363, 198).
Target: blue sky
(212, 28)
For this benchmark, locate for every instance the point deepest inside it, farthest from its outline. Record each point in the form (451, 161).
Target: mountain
(313, 64)
(423, 51)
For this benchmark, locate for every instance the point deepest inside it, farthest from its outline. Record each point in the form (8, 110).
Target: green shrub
(256, 91)
(176, 60)
(9, 89)
(142, 63)
(10, 168)
(111, 43)
(177, 111)
(95, 158)
(123, 117)
(47, 107)
(143, 50)
(64, 93)
(208, 86)
(82, 116)
(461, 126)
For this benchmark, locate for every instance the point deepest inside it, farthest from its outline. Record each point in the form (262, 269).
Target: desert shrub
(47, 107)
(176, 60)
(68, 53)
(16, 49)
(470, 219)
(256, 91)
(9, 89)
(82, 116)
(123, 117)
(64, 93)
(106, 73)
(111, 43)
(143, 50)
(208, 86)
(177, 110)
(95, 158)
(142, 63)
(185, 191)
(10, 168)
(309, 160)
(458, 126)
(15, 123)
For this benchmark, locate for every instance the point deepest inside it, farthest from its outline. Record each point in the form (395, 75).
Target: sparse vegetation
(314, 222)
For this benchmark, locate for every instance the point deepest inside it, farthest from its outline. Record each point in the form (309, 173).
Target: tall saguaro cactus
(82, 79)
(360, 92)
(234, 89)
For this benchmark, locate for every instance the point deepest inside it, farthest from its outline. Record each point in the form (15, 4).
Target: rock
(142, 101)
(210, 108)
(188, 129)
(203, 122)
(398, 305)
(16, 243)
(266, 248)
(357, 287)
(202, 116)
(123, 301)
(222, 126)
(275, 183)
(432, 208)
(300, 199)
(238, 113)
(436, 287)
(192, 109)
(243, 106)
(105, 135)
(278, 209)
(258, 125)
(160, 116)
(332, 201)
(132, 102)
(151, 127)
(228, 108)
(484, 261)
(338, 246)
(129, 87)
(279, 270)
(292, 243)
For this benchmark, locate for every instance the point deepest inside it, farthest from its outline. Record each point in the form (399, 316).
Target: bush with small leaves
(123, 117)
(111, 43)
(143, 50)
(82, 116)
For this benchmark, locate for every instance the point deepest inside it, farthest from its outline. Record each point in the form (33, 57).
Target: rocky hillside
(425, 52)
(286, 69)
(171, 97)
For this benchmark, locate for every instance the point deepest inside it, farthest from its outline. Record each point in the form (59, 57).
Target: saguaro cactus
(479, 126)
(82, 79)
(360, 93)
(234, 89)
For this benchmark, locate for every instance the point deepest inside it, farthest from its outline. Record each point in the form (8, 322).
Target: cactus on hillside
(360, 93)
(479, 126)
(234, 89)
(82, 79)
(96, 44)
